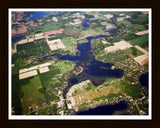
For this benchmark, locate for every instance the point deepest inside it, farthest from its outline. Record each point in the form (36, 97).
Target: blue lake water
(144, 79)
(85, 24)
(17, 38)
(108, 109)
(39, 14)
(60, 14)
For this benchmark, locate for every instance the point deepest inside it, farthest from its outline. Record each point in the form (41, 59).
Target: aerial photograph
(79, 62)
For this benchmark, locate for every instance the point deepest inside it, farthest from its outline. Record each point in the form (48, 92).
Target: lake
(85, 24)
(17, 38)
(108, 109)
(144, 79)
(37, 15)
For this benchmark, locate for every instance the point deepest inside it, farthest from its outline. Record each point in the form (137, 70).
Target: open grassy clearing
(97, 18)
(127, 23)
(65, 66)
(50, 26)
(85, 88)
(32, 94)
(36, 48)
(126, 87)
(69, 42)
(46, 78)
(141, 41)
(138, 27)
(133, 52)
(91, 32)
(83, 41)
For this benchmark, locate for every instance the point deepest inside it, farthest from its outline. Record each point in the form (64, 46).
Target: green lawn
(32, 94)
(133, 52)
(85, 88)
(46, 78)
(68, 42)
(138, 27)
(64, 66)
(99, 29)
(50, 27)
(37, 48)
(127, 23)
(97, 18)
(83, 41)
(91, 32)
(126, 87)
(110, 96)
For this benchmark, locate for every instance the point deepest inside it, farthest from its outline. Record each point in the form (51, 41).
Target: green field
(97, 18)
(32, 94)
(64, 66)
(128, 24)
(91, 32)
(138, 27)
(141, 41)
(51, 110)
(140, 19)
(53, 79)
(109, 97)
(68, 42)
(83, 41)
(36, 48)
(129, 89)
(133, 52)
(50, 26)
(46, 78)
(27, 51)
(83, 89)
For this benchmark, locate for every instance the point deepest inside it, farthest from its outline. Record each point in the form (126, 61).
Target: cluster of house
(108, 16)
(123, 17)
(108, 26)
(142, 59)
(71, 101)
(96, 14)
(78, 15)
(76, 21)
(55, 19)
